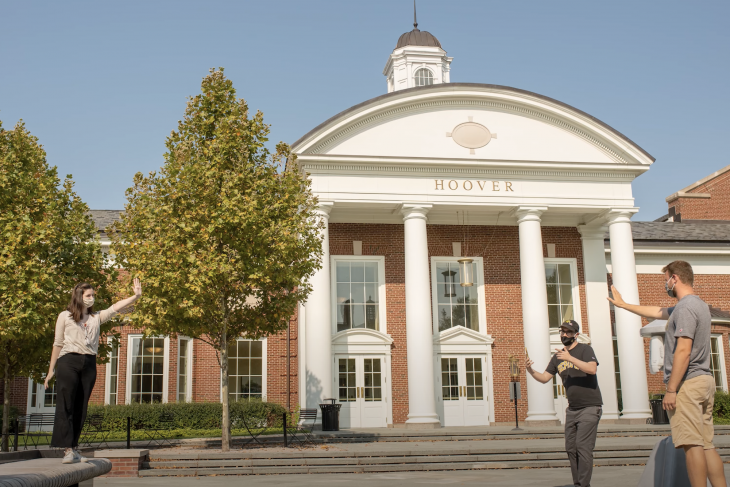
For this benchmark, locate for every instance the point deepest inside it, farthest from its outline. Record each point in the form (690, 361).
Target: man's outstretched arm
(651, 312)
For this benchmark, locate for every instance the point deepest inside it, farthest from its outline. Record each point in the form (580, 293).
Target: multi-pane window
(183, 365)
(373, 389)
(245, 370)
(474, 384)
(357, 295)
(457, 305)
(347, 380)
(559, 293)
(423, 77)
(449, 379)
(49, 396)
(113, 373)
(716, 362)
(148, 369)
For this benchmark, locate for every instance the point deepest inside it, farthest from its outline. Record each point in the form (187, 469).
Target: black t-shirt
(581, 388)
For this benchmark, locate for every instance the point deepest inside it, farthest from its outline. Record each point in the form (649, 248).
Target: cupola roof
(417, 37)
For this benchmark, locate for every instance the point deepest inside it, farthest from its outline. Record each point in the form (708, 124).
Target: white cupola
(417, 60)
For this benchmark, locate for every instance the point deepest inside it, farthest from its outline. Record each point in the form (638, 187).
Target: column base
(422, 426)
(542, 422)
(610, 416)
(640, 414)
(623, 420)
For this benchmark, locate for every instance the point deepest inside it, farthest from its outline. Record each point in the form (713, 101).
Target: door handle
(357, 392)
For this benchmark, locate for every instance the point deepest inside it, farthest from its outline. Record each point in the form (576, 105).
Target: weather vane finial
(415, 22)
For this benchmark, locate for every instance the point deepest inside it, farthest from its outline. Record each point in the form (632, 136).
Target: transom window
(148, 369)
(559, 293)
(423, 77)
(457, 306)
(245, 370)
(358, 297)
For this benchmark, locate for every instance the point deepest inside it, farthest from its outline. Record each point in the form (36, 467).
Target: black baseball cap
(571, 325)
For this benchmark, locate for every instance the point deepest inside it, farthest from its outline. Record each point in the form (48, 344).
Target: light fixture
(449, 284)
(466, 271)
(514, 368)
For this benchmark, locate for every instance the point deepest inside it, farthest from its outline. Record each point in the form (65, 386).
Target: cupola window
(423, 77)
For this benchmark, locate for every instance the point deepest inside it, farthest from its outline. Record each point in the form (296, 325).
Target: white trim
(108, 374)
(702, 261)
(721, 352)
(165, 367)
(577, 310)
(188, 372)
(481, 303)
(382, 314)
(302, 362)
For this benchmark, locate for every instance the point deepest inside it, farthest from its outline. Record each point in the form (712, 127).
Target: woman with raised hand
(74, 361)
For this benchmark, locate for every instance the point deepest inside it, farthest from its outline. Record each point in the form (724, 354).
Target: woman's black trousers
(75, 378)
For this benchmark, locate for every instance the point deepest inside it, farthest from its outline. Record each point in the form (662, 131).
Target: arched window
(423, 77)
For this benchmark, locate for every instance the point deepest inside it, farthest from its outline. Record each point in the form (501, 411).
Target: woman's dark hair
(76, 305)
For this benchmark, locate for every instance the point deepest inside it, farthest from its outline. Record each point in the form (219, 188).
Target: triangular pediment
(459, 335)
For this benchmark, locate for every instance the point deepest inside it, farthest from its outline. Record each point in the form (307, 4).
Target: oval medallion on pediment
(471, 135)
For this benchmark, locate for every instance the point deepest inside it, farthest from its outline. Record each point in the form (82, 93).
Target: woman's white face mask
(89, 301)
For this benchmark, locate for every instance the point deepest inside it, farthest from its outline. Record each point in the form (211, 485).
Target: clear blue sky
(103, 83)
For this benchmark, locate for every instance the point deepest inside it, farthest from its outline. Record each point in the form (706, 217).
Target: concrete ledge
(50, 472)
(542, 422)
(125, 463)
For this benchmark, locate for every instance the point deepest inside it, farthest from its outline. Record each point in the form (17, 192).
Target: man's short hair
(682, 270)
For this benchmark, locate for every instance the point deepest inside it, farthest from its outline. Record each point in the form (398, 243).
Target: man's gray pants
(581, 426)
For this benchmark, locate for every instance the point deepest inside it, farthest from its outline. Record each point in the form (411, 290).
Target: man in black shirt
(577, 365)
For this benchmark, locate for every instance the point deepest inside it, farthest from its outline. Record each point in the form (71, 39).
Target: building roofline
(698, 183)
(455, 87)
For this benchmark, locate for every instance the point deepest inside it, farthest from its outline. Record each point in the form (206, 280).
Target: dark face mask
(670, 292)
(567, 341)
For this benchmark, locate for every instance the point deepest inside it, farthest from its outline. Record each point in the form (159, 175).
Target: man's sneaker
(80, 457)
(70, 457)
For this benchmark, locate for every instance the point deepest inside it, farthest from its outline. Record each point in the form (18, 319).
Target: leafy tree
(48, 243)
(223, 238)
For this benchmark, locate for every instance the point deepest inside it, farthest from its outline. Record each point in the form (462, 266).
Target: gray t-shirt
(689, 318)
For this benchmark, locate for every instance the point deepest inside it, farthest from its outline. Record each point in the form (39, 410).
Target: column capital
(529, 213)
(619, 215)
(324, 208)
(415, 210)
(593, 232)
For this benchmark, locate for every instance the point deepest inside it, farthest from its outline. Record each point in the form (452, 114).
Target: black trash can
(330, 416)
(658, 414)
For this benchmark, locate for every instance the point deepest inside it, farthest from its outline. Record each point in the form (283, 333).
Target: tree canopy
(48, 243)
(223, 236)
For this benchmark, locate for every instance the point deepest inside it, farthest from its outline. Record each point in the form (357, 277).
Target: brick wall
(18, 394)
(717, 207)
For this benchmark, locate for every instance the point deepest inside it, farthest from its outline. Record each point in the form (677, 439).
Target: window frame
(415, 76)
(577, 309)
(382, 306)
(721, 352)
(165, 368)
(188, 371)
(264, 368)
(108, 374)
(481, 301)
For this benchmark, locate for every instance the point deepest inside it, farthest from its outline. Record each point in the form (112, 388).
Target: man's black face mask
(567, 341)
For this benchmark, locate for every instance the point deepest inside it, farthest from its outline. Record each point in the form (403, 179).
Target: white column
(536, 326)
(318, 332)
(599, 314)
(419, 330)
(632, 365)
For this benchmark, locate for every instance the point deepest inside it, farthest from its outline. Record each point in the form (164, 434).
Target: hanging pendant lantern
(466, 272)
(449, 284)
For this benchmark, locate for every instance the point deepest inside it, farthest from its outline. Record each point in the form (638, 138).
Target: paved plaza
(543, 477)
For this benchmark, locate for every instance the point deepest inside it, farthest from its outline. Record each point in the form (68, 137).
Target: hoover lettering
(453, 185)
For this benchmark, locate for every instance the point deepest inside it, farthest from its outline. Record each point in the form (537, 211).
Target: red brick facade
(714, 205)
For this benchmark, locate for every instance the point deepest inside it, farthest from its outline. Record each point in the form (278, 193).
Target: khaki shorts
(691, 420)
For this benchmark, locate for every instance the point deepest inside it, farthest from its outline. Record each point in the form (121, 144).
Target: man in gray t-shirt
(690, 386)
(689, 318)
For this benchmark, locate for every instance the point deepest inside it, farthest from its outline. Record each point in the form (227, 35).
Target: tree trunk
(226, 420)
(6, 405)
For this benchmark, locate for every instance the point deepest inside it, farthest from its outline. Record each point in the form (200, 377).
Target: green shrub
(722, 405)
(189, 416)
(13, 413)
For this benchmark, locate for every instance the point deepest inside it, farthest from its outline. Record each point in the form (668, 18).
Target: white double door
(561, 402)
(360, 385)
(462, 391)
